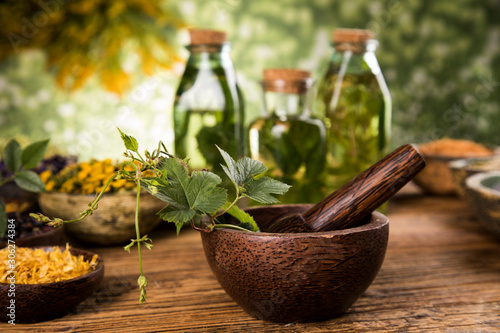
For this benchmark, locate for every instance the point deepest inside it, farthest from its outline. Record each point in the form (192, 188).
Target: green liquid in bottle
(355, 102)
(357, 135)
(293, 148)
(208, 109)
(198, 136)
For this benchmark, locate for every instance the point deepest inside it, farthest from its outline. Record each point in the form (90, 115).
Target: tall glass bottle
(356, 103)
(290, 142)
(208, 107)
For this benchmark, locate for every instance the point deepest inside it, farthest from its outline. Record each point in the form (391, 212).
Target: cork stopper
(206, 36)
(287, 80)
(351, 35)
(287, 74)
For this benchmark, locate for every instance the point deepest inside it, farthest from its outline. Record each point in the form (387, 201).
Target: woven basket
(112, 223)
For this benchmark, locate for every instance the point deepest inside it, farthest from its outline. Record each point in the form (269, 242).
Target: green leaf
(152, 185)
(241, 216)
(231, 169)
(177, 216)
(203, 193)
(29, 181)
(129, 141)
(261, 189)
(3, 219)
(33, 154)
(247, 174)
(129, 246)
(188, 196)
(12, 156)
(249, 168)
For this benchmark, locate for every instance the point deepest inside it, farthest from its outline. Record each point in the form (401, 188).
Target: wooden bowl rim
(47, 234)
(378, 221)
(98, 269)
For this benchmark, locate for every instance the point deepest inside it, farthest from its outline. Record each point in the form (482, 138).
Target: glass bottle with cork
(208, 107)
(288, 140)
(356, 103)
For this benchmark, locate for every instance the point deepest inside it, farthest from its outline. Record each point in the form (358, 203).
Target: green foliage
(188, 195)
(12, 156)
(17, 161)
(440, 60)
(29, 181)
(129, 141)
(33, 154)
(242, 216)
(245, 176)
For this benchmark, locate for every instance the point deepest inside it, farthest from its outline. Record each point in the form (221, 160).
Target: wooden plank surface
(441, 274)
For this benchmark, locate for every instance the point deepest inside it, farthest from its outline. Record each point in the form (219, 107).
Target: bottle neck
(355, 58)
(210, 73)
(214, 58)
(286, 102)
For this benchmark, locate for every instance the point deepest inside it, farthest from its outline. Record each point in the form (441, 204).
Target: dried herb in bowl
(454, 148)
(25, 226)
(35, 266)
(87, 178)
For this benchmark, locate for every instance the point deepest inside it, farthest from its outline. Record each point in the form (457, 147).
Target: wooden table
(441, 274)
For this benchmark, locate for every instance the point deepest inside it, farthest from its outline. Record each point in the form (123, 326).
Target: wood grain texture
(297, 277)
(441, 273)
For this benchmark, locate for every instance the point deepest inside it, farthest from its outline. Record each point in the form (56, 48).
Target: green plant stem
(141, 159)
(96, 200)
(230, 226)
(93, 203)
(142, 278)
(137, 231)
(212, 219)
(6, 180)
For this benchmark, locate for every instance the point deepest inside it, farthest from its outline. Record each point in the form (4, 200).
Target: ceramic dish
(483, 191)
(464, 168)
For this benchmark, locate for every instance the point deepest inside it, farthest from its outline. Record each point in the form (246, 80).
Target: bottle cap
(206, 36)
(287, 74)
(287, 80)
(351, 35)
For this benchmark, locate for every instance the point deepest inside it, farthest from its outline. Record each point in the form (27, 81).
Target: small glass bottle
(208, 106)
(288, 140)
(356, 103)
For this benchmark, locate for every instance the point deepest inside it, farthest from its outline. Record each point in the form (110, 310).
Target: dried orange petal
(33, 266)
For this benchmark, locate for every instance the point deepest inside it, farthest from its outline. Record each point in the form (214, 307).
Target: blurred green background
(441, 60)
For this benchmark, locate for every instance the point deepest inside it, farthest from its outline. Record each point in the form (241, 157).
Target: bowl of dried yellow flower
(39, 284)
(70, 191)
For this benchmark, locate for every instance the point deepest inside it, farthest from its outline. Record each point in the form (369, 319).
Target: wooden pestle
(356, 200)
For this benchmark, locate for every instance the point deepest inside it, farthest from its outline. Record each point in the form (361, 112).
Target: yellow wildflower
(44, 176)
(49, 185)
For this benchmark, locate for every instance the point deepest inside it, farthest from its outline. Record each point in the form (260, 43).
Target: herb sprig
(188, 195)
